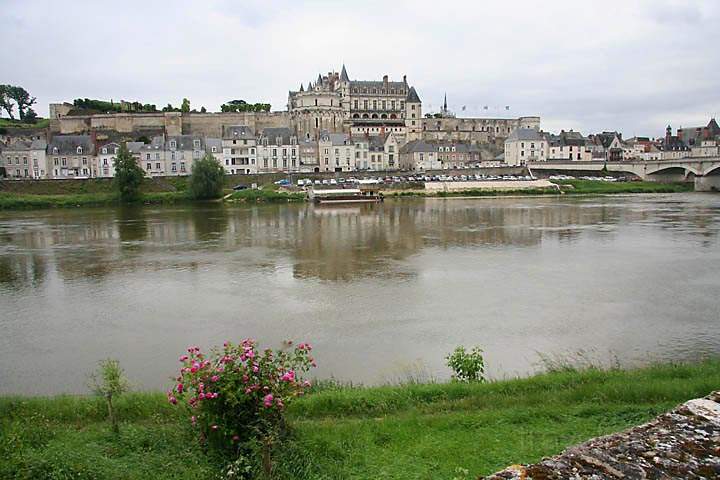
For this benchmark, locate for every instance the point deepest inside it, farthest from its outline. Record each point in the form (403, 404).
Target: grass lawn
(7, 123)
(416, 431)
(14, 201)
(266, 194)
(594, 186)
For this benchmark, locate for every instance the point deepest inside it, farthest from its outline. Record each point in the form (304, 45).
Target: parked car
(237, 188)
(284, 182)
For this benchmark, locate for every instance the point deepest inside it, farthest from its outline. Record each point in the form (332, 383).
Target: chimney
(405, 79)
(93, 139)
(385, 80)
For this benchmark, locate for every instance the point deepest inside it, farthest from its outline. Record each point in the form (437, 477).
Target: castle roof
(343, 75)
(412, 96)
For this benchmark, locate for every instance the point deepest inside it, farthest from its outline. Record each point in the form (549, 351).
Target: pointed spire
(319, 80)
(343, 75)
(309, 86)
(445, 103)
(302, 89)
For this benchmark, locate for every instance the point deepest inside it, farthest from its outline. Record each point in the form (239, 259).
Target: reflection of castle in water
(335, 243)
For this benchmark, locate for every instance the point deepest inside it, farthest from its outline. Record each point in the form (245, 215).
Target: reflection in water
(405, 280)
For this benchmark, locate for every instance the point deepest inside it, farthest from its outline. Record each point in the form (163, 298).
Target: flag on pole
(507, 107)
(463, 108)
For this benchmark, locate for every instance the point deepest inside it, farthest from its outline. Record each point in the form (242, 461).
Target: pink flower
(172, 400)
(245, 378)
(193, 419)
(183, 358)
(307, 383)
(268, 400)
(288, 376)
(201, 396)
(249, 354)
(248, 391)
(226, 344)
(214, 427)
(179, 387)
(255, 369)
(214, 378)
(235, 438)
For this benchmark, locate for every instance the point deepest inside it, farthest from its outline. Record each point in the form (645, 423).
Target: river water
(383, 291)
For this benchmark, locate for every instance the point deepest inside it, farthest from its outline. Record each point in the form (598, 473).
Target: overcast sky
(629, 65)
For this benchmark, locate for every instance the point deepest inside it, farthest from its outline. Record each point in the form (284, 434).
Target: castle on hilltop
(334, 103)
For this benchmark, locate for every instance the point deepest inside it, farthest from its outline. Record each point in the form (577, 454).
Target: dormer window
(214, 149)
(117, 150)
(55, 150)
(173, 144)
(196, 144)
(79, 150)
(104, 150)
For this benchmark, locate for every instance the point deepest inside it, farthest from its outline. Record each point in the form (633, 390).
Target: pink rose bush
(239, 392)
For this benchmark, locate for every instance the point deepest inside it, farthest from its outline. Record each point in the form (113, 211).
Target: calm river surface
(382, 291)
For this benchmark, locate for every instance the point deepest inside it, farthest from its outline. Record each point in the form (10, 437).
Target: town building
(568, 145)
(71, 156)
(419, 155)
(525, 145)
(239, 148)
(107, 154)
(336, 152)
(25, 159)
(278, 151)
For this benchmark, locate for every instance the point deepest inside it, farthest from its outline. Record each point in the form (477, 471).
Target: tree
(185, 108)
(22, 98)
(6, 102)
(110, 382)
(206, 179)
(30, 116)
(203, 110)
(128, 175)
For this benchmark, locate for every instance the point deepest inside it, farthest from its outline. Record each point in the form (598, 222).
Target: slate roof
(412, 96)
(423, 146)
(213, 142)
(272, 134)
(134, 147)
(238, 132)
(343, 75)
(528, 134)
(25, 145)
(68, 144)
(336, 139)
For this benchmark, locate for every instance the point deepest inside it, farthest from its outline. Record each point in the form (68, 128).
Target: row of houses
(526, 145)
(241, 150)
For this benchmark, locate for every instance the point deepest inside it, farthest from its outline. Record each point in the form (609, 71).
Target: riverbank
(406, 431)
(13, 201)
(571, 187)
(152, 194)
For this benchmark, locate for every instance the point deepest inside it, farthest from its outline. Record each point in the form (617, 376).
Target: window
(64, 162)
(79, 150)
(157, 166)
(173, 167)
(214, 150)
(182, 166)
(149, 166)
(84, 161)
(196, 144)
(173, 144)
(104, 150)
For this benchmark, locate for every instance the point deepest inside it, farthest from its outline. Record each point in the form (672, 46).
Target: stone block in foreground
(684, 443)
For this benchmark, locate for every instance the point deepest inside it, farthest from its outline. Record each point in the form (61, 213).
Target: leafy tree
(203, 110)
(109, 382)
(30, 116)
(143, 138)
(185, 108)
(206, 179)
(23, 100)
(128, 175)
(6, 102)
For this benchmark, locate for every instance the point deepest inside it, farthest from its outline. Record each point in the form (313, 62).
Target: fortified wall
(173, 123)
(474, 130)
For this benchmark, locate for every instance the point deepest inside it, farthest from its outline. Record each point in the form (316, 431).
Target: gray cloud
(633, 66)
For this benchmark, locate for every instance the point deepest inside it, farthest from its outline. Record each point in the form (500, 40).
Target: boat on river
(344, 195)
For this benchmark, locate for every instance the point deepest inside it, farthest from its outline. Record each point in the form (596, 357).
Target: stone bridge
(703, 171)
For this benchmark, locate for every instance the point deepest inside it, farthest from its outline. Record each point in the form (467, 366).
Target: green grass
(13, 201)
(415, 431)
(594, 186)
(7, 123)
(268, 195)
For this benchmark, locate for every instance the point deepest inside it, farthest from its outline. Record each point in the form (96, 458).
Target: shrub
(237, 395)
(109, 382)
(128, 175)
(206, 179)
(467, 366)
